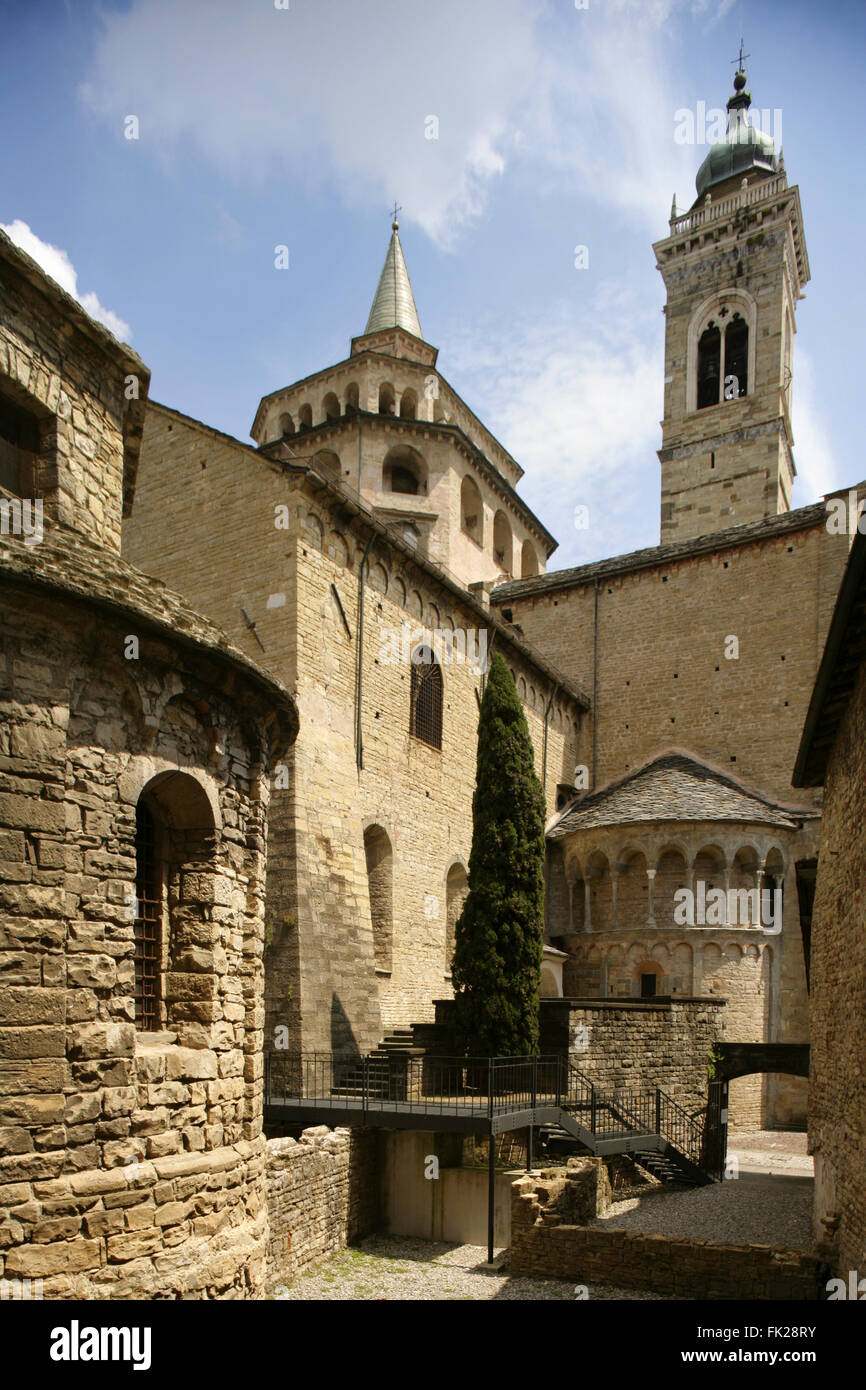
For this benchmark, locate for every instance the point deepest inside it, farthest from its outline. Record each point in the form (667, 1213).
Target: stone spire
(394, 303)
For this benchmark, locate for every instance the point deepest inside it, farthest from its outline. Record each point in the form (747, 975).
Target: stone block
(189, 1064)
(101, 1040)
(61, 1257)
(32, 1042)
(29, 1005)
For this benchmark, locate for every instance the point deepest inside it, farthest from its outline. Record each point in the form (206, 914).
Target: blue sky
(261, 126)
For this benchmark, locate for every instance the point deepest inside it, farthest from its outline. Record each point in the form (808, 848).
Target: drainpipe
(492, 635)
(359, 747)
(595, 689)
(553, 695)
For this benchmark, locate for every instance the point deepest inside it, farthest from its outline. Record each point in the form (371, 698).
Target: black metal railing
(631, 1113)
(487, 1087)
(474, 1085)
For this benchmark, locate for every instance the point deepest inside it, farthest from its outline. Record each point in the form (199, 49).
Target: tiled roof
(674, 786)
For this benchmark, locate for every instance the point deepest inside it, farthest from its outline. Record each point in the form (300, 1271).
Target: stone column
(570, 883)
(650, 919)
(614, 879)
(777, 881)
(587, 906)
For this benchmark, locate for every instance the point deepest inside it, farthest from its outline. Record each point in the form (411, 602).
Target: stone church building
(664, 690)
(240, 687)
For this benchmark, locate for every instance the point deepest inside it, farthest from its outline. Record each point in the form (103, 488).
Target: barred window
(148, 920)
(426, 697)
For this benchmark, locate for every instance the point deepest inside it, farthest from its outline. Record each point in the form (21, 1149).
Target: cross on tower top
(394, 223)
(741, 58)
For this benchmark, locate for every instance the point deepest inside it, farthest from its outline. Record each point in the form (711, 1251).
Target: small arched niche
(503, 542)
(327, 463)
(175, 889)
(471, 509)
(456, 889)
(404, 472)
(380, 868)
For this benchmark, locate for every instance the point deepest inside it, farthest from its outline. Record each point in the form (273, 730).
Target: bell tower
(734, 268)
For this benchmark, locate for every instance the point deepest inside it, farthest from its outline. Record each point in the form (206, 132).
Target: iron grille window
(148, 921)
(426, 697)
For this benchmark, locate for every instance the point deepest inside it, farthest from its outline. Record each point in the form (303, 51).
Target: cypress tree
(500, 932)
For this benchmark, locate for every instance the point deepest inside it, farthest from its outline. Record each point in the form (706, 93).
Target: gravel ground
(770, 1203)
(402, 1268)
(756, 1208)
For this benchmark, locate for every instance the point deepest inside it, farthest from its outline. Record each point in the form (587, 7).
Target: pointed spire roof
(394, 304)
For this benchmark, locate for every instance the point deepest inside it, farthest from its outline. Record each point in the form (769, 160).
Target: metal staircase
(399, 1084)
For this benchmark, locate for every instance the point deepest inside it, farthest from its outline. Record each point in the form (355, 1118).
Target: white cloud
(580, 414)
(818, 470)
(56, 263)
(338, 89)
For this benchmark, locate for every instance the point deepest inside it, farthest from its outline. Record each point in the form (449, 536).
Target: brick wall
(663, 679)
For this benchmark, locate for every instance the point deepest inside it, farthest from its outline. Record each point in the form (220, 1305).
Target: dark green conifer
(500, 932)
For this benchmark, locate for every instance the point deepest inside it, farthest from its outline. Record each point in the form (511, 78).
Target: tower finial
(740, 74)
(394, 304)
(394, 223)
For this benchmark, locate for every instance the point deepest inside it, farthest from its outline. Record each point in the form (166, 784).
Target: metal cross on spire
(741, 57)
(397, 208)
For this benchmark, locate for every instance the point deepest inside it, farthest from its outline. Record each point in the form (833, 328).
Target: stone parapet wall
(323, 1191)
(617, 1044)
(543, 1247)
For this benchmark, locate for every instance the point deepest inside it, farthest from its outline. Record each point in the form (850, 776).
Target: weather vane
(742, 57)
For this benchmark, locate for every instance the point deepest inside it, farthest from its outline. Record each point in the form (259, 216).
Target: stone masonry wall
(323, 1192)
(837, 1082)
(663, 680)
(299, 584)
(544, 1247)
(131, 1162)
(620, 1045)
(77, 384)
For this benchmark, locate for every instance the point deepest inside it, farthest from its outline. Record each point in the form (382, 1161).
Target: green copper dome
(743, 148)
